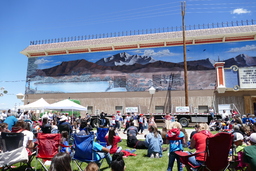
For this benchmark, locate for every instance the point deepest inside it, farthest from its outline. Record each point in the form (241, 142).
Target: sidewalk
(145, 132)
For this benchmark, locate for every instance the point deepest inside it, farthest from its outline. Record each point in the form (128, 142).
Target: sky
(23, 21)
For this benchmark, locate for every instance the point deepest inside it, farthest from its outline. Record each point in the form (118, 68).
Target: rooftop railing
(146, 31)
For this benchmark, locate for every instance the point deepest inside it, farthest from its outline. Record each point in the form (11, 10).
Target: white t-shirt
(28, 135)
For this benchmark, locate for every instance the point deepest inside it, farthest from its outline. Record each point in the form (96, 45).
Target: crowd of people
(243, 128)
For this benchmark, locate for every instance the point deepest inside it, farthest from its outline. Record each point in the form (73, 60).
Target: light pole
(152, 91)
(20, 96)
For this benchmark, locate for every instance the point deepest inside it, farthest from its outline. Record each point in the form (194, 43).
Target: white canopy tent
(39, 104)
(66, 105)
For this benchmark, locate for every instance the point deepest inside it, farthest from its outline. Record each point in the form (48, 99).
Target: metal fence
(146, 31)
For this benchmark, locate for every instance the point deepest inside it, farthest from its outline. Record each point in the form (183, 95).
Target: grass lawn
(133, 163)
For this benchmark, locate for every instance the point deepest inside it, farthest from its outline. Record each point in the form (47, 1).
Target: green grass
(133, 163)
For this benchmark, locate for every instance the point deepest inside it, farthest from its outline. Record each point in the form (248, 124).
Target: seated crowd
(243, 129)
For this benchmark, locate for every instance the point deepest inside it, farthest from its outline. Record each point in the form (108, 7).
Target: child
(175, 137)
(4, 128)
(117, 162)
(238, 152)
(64, 141)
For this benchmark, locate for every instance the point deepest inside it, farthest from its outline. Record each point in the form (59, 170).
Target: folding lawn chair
(216, 153)
(84, 151)
(47, 147)
(100, 136)
(238, 163)
(13, 150)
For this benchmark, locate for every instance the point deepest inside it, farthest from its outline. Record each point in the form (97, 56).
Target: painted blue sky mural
(222, 51)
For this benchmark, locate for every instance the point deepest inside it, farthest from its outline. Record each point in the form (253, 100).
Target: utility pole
(183, 8)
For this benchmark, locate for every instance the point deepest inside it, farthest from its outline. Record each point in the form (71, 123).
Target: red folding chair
(47, 147)
(216, 153)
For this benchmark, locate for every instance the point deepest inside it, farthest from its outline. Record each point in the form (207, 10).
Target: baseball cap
(238, 136)
(253, 137)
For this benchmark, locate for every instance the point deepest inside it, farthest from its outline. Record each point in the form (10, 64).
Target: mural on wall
(136, 69)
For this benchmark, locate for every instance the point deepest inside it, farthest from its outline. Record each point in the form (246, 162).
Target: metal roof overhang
(203, 36)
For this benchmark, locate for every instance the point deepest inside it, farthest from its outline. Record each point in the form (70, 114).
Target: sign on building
(131, 109)
(247, 77)
(182, 109)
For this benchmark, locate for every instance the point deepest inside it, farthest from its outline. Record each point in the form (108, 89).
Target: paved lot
(145, 132)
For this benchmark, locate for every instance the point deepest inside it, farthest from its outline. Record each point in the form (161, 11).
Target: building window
(159, 109)
(90, 110)
(119, 108)
(203, 109)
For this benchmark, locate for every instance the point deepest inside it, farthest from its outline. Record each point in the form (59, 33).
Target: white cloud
(161, 53)
(244, 48)
(240, 11)
(42, 61)
(138, 51)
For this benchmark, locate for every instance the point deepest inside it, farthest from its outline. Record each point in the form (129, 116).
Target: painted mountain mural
(241, 60)
(123, 71)
(124, 58)
(122, 62)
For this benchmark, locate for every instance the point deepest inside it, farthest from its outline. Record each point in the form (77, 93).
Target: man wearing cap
(64, 125)
(250, 153)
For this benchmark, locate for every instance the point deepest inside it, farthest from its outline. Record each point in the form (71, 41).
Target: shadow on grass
(104, 168)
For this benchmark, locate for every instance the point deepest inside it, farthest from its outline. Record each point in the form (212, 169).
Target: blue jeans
(172, 157)
(193, 160)
(107, 156)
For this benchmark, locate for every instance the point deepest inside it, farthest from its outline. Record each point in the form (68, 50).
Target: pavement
(145, 132)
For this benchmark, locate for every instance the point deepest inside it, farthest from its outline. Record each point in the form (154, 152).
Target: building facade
(114, 74)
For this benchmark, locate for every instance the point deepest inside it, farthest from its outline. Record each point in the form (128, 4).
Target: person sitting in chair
(98, 150)
(198, 142)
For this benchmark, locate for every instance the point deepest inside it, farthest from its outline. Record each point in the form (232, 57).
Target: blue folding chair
(100, 136)
(84, 151)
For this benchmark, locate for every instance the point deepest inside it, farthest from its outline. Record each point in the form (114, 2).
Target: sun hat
(238, 136)
(253, 137)
(63, 118)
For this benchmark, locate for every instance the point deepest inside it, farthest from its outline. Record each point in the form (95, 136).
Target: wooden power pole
(183, 8)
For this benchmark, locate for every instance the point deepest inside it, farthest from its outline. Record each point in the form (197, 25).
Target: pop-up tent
(66, 105)
(39, 104)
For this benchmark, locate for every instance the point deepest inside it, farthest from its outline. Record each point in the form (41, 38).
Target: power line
(12, 81)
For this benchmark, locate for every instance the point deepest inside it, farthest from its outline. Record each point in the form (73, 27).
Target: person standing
(3, 116)
(141, 120)
(18, 113)
(127, 121)
(211, 111)
(117, 121)
(176, 138)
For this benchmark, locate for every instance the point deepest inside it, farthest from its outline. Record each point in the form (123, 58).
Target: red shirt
(200, 145)
(114, 147)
